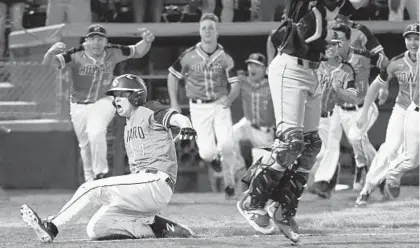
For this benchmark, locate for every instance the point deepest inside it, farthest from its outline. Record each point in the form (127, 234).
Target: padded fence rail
(30, 90)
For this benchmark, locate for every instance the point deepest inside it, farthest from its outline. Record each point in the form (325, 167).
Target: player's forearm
(371, 95)
(235, 90)
(271, 50)
(173, 88)
(179, 120)
(346, 96)
(142, 48)
(49, 58)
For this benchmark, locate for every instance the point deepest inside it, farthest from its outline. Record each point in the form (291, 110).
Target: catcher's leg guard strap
(262, 187)
(264, 161)
(288, 146)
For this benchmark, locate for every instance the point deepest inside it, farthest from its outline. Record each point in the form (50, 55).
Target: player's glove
(187, 133)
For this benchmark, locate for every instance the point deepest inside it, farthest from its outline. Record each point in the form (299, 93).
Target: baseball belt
(264, 129)
(352, 108)
(326, 114)
(168, 180)
(199, 101)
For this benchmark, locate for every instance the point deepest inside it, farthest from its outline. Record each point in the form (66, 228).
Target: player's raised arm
(142, 48)
(51, 58)
(271, 50)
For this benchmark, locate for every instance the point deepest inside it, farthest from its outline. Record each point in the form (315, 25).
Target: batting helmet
(130, 83)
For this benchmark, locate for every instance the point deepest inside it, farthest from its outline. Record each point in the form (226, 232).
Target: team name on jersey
(326, 80)
(135, 132)
(91, 69)
(201, 67)
(406, 77)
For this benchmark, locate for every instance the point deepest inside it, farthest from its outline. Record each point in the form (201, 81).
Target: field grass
(323, 223)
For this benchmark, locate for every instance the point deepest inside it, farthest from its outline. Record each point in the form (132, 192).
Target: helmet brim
(111, 91)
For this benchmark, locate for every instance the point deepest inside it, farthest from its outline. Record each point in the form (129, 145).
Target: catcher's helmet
(130, 83)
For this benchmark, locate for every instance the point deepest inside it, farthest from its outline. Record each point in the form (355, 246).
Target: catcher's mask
(130, 83)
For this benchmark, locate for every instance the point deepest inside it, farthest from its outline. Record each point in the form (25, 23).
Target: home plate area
(217, 223)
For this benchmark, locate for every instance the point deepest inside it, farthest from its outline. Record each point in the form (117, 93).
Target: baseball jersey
(327, 73)
(362, 38)
(206, 75)
(91, 77)
(148, 139)
(360, 61)
(257, 103)
(406, 72)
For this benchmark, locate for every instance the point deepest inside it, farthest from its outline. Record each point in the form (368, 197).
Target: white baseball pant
(90, 123)
(408, 159)
(323, 131)
(388, 150)
(243, 130)
(364, 152)
(127, 204)
(213, 124)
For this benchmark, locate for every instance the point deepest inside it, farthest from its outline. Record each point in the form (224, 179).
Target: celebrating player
(405, 69)
(257, 125)
(337, 78)
(129, 204)
(207, 70)
(91, 66)
(297, 107)
(345, 116)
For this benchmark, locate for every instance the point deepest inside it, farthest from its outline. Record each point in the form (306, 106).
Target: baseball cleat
(288, 227)
(392, 190)
(45, 230)
(229, 193)
(359, 178)
(164, 228)
(361, 200)
(258, 218)
(384, 194)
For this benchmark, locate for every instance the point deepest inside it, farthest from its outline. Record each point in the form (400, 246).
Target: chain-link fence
(30, 90)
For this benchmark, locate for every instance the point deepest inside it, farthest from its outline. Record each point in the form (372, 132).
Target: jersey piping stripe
(318, 30)
(99, 186)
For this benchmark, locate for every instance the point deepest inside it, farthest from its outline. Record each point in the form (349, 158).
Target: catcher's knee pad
(289, 191)
(288, 146)
(312, 147)
(262, 186)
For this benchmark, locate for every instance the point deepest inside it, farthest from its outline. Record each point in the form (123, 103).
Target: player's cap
(335, 39)
(96, 29)
(257, 58)
(411, 29)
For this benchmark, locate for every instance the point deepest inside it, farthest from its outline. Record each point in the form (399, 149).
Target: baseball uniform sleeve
(369, 40)
(68, 57)
(177, 67)
(121, 52)
(231, 73)
(162, 114)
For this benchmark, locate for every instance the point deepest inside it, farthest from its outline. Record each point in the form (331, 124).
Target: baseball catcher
(297, 106)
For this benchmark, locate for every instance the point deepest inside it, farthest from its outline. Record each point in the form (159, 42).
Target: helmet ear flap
(137, 98)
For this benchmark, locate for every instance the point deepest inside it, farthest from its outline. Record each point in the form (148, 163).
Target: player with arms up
(129, 204)
(91, 67)
(405, 69)
(208, 72)
(297, 107)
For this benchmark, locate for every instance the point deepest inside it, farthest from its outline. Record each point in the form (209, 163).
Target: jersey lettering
(406, 77)
(135, 133)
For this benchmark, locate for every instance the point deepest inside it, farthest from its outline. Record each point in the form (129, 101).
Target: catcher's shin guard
(262, 187)
(289, 191)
